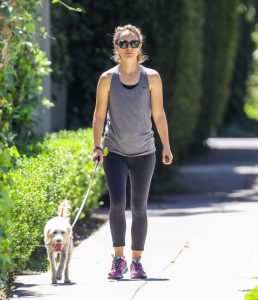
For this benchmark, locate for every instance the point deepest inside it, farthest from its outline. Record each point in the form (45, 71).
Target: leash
(97, 159)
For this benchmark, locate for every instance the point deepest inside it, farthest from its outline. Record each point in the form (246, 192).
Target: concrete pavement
(202, 242)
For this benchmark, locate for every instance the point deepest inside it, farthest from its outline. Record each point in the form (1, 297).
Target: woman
(129, 94)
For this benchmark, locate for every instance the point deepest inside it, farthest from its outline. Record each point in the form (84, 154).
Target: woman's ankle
(119, 251)
(136, 254)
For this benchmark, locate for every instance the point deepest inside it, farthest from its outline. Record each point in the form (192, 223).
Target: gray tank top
(128, 129)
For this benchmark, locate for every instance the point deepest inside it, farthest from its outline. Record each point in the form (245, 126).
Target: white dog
(58, 239)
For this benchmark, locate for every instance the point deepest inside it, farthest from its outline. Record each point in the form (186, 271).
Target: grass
(252, 294)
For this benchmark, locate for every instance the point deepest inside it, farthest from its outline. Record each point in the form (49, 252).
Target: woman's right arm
(100, 111)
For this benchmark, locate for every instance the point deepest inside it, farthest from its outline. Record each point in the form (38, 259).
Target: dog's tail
(64, 209)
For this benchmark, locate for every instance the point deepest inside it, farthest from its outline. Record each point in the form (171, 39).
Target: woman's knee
(117, 204)
(139, 211)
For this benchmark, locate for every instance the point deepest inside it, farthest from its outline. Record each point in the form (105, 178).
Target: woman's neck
(129, 68)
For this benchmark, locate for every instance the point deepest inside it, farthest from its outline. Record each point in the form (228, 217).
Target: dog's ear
(47, 236)
(48, 231)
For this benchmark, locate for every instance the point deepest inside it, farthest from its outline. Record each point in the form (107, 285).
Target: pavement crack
(172, 262)
(138, 289)
(186, 245)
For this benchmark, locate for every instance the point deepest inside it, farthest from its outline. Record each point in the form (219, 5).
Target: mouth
(58, 247)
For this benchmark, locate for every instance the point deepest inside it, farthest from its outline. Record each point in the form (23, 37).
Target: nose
(58, 241)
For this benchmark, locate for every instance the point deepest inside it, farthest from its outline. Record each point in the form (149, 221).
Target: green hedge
(236, 119)
(6, 158)
(60, 171)
(179, 59)
(220, 40)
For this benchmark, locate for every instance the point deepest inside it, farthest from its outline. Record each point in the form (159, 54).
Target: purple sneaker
(119, 267)
(137, 270)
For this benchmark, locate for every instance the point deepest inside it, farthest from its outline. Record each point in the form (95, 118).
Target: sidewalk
(201, 244)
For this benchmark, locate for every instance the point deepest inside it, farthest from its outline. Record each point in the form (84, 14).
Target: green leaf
(47, 103)
(30, 28)
(9, 79)
(14, 151)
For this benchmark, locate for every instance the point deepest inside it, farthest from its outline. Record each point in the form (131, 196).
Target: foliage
(23, 65)
(251, 103)
(67, 6)
(6, 158)
(179, 24)
(244, 81)
(220, 40)
(252, 294)
(179, 60)
(61, 170)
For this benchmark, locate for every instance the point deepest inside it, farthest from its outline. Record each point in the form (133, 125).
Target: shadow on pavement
(23, 290)
(29, 294)
(209, 183)
(143, 280)
(225, 156)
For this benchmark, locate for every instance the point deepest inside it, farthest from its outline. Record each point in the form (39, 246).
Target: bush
(241, 115)
(179, 58)
(245, 65)
(61, 170)
(23, 65)
(5, 212)
(220, 41)
(252, 294)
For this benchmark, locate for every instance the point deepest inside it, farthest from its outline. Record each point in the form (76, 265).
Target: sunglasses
(123, 44)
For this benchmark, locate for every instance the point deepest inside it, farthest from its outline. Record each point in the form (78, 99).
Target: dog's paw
(54, 281)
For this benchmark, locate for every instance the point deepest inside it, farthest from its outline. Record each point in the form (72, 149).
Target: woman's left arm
(159, 115)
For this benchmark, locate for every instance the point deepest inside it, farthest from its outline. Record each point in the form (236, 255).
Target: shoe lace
(116, 263)
(137, 265)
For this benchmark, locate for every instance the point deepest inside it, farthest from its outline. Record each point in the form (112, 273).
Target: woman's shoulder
(153, 75)
(150, 71)
(109, 73)
(105, 78)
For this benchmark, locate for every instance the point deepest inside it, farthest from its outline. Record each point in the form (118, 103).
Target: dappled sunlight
(222, 180)
(232, 143)
(245, 170)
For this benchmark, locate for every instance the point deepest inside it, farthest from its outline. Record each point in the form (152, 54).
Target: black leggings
(140, 169)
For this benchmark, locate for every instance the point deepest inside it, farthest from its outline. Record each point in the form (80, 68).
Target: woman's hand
(167, 156)
(98, 153)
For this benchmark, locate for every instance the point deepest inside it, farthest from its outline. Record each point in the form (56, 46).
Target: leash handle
(96, 159)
